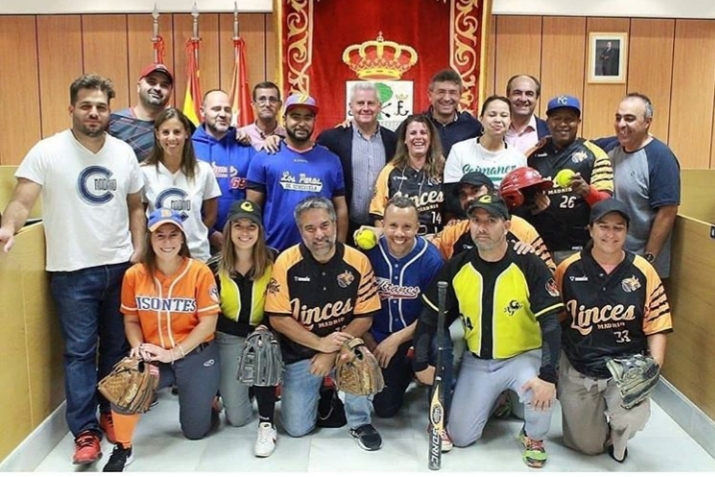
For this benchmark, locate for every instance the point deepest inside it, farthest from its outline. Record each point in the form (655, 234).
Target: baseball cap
(474, 178)
(245, 209)
(563, 101)
(492, 203)
(296, 100)
(164, 216)
(605, 207)
(151, 68)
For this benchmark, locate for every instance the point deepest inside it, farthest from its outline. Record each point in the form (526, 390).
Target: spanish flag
(192, 99)
(240, 92)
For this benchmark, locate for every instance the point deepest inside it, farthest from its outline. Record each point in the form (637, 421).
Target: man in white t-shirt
(94, 227)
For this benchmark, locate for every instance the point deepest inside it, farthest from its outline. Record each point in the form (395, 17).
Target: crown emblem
(380, 59)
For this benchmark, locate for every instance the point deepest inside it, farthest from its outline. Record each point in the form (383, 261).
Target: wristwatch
(649, 257)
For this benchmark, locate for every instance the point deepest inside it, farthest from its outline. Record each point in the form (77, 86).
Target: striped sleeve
(368, 299)
(602, 173)
(277, 296)
(382, 192)
(656, 315)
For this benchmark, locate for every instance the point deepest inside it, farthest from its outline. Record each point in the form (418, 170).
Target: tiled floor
(159, 446)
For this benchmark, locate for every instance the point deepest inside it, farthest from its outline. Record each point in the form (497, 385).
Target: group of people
(173, 243)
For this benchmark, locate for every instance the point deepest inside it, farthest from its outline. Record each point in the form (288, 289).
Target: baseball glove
(635, 376)
(357, 370)
(261, 362)
(131, 385)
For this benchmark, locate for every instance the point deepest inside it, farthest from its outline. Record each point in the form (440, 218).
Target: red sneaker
(107, 425)
(87, 448)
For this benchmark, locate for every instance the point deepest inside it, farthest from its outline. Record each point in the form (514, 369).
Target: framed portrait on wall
(607, 57)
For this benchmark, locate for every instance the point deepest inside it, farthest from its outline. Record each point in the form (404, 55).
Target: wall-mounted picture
(607, 57)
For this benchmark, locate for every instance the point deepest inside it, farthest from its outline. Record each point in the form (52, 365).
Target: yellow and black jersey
(242, 300)
(500, 303)
(424, 191)
(609, 314)
(563, 225)
(322, 297)
(455, 238)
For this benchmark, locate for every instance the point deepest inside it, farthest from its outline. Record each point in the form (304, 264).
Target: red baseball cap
(151, 68)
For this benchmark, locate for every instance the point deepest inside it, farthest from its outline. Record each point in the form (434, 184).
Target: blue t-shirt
(286, 178)
(400, 282)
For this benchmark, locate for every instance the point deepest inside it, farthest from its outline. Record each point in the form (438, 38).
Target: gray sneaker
(368, 437)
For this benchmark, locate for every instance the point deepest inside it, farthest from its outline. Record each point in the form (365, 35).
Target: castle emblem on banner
(383, 63)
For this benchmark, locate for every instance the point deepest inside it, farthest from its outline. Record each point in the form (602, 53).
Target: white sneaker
(266, 440)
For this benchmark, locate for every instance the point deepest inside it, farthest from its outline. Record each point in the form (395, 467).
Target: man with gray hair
(322, 294)
(646, 177)
(364, 147)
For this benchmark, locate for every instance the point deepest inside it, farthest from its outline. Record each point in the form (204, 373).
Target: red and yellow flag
(192, 99)
(240, 92)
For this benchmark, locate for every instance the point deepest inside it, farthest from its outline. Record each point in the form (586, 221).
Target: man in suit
(364, 148)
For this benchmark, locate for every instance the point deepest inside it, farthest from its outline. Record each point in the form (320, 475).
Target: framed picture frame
(607, 57)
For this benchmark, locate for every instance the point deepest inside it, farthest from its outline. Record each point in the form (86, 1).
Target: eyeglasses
(269, 99)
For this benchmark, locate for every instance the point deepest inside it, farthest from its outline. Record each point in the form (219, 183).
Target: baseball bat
(436, 410)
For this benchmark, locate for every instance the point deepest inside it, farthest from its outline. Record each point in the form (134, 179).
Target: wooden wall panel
(490, 65)
(59, 63)
(563, 59)
(601, 100)
(518, 49)
(271, 68)
(104, 40)
(650, 73)
(141, 50)
(252, 30)
(19, 88)
(691, 117)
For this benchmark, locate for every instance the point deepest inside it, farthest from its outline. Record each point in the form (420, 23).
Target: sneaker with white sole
(121, 457)
(367, 436)
(266, 440)
(534, 452)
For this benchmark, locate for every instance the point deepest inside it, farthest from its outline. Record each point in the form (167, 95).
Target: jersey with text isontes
(563, 225)
(424, 191)
(400, 282)
(286, 178)
(139, 134)
(170, 313)
(322, 297)
(609, 315)
(470, 156)
(499, 303)
(456, 238)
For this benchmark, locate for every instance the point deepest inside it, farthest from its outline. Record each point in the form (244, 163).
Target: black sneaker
(368, 437)
(613, 455)
(119, 459)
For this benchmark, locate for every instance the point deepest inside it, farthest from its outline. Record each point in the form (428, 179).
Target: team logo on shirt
(213, 294)
(273, 287)
(301, 183)
(326, 316)
(578, 157)
(512, 307)
(345, 279)
(387, 290)
(96, 186)
(179, 305)
(603, 317)
(176, 200)
(551, 288)
(630, 284)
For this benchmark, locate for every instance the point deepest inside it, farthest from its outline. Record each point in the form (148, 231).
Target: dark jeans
(88, 306)
(399, 374)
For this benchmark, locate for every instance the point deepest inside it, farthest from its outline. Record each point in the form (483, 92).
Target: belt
(199, 348)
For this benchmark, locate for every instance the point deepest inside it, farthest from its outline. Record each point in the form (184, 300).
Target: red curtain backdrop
(315, 33)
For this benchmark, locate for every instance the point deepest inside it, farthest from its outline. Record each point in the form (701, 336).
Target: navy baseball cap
(563, 101)
(492, 203)
(164, 216)
(245, 209)
(474, 178)
(605, 207)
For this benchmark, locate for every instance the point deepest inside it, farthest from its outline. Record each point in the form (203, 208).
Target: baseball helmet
(520, 185)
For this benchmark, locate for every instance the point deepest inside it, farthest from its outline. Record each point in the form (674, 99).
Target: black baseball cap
(476, 179)
(245, 209)
(605, 207)
(492, 203)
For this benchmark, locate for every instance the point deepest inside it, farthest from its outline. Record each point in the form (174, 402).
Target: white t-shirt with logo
(470, 156)
(84, 200)
(175, 191)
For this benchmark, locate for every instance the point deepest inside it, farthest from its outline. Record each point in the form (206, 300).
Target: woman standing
(175, 180)
(170, 307)
(414, 172)
(242, 271)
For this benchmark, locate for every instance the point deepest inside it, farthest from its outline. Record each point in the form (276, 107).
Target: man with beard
(562, 217)
(526, 128)
(298, 170)
(135, 125)
(266, 106)
(321, 295)
(364, 147)
(215, 142)
(94, 229)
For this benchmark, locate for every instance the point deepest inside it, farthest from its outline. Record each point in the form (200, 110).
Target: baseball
(563, 178)
(366, 239)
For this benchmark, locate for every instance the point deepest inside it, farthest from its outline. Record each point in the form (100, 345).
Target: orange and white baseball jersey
(170, 307)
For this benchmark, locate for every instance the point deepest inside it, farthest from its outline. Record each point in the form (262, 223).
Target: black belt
(199, 348)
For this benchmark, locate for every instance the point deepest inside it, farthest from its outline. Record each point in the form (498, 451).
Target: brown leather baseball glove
(357, 370)
(130, 386)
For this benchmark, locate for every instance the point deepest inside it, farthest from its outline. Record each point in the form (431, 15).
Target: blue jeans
(299, 401)
(88, 306)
